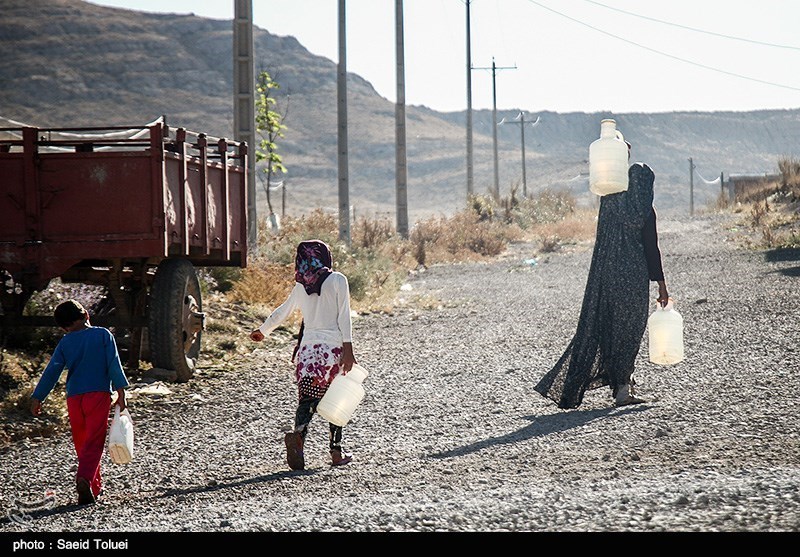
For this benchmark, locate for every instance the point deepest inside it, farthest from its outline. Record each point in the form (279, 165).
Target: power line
(790, 47)
(698, 64)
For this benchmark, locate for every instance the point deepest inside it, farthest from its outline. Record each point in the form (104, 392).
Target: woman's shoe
(630, 399)
(340, 458)
(294, 451)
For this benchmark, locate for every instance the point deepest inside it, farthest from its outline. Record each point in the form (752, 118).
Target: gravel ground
(452, 437)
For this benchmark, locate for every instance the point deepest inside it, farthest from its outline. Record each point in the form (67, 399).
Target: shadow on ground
(541, 426)
(783, 255)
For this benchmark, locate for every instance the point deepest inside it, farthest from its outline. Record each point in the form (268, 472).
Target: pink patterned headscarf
(312, 265)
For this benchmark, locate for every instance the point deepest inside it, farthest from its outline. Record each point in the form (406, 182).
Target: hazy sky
(559, 55)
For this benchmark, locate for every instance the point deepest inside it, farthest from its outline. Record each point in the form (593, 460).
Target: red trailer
(134, 209)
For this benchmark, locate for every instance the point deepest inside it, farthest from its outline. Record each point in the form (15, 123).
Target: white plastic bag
(120, 437)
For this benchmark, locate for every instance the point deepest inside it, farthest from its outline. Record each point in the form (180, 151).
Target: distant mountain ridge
(72, 63)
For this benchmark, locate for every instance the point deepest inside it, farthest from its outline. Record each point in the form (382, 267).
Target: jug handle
(668, 307)
(619, 136)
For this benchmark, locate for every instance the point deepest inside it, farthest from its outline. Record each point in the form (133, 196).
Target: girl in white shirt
(325, 347)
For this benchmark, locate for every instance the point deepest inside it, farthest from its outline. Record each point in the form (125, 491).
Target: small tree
(269, 125)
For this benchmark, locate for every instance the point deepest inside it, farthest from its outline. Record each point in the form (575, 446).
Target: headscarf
(312, 265)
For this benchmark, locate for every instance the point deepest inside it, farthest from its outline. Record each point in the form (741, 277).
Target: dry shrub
(768, 236)
(758, 211)
(378, 260)
(464, 236)
(548, 206)
(371, 234)
(263, 283)
(578, 227)
(789, 168)
(19, 374)
(281, 248)
(757, 192)
(481, 205)
(220, 279)
(791, 240)
(375, 264)
(722, 202)
(549, 243)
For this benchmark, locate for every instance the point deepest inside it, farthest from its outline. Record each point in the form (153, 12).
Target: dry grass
(769, 213)
(466, 236)
(19, 373)
(789, 169)
(378, 259)
(579, 226)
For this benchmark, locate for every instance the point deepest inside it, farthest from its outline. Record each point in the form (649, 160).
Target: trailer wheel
(175, 318)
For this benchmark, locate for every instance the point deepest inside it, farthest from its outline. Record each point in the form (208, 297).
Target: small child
(325, 346)
(90, 355)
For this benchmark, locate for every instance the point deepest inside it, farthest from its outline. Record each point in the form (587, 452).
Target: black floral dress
(615, 306)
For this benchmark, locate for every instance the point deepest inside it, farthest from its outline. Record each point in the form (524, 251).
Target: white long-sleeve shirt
(326, 316)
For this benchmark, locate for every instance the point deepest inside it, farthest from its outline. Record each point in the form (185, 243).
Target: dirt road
(452, 437)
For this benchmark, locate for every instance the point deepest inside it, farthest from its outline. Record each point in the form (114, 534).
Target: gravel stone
(451, 436)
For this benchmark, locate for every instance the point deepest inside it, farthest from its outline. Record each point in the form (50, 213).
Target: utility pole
(494, 69)
(341, 83)
(469, 108)
(691, 186)
(244, 120)
(400, 128)
(520, 120)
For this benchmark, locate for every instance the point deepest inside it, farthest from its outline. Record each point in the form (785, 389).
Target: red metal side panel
(97, 197)
(216, 211)
(12, 198)
(172, 199)
(217, 198)
(237, 216)
(195, 196)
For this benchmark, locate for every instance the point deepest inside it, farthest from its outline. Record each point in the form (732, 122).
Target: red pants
(88, 418)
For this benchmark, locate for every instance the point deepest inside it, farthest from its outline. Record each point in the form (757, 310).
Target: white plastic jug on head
(608, 160)
(665, 326)
(120, 437)
(344, 394)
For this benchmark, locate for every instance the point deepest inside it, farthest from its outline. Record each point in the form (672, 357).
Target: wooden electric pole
(691, 186)
(244, 120)
(520, 121)
(469, 108)
(400, 128)
(341, 82)
(494, 69)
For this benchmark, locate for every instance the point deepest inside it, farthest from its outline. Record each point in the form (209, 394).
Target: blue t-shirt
(93, 362)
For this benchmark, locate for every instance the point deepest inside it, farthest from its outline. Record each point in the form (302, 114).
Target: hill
(72, 63)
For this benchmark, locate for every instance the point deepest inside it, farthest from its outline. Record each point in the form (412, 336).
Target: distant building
(740, 185)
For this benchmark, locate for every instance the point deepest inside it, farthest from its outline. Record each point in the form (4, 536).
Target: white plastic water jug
(665, 326)
(120, 437)
(608, 160)
(344, 394)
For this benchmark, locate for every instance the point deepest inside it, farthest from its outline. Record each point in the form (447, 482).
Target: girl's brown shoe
(294, 450)
(339, 458)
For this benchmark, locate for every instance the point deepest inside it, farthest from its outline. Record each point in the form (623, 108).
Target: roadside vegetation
(377, 263)
(768, 214)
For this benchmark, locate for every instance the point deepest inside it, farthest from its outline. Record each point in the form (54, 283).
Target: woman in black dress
(615, 308)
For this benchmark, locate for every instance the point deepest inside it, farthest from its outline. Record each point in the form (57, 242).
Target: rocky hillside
(72, 63)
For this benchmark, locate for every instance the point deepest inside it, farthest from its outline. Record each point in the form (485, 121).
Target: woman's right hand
(257, 336)
(663, 295)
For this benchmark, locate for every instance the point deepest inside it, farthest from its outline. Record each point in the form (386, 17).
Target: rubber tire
(175, 280)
